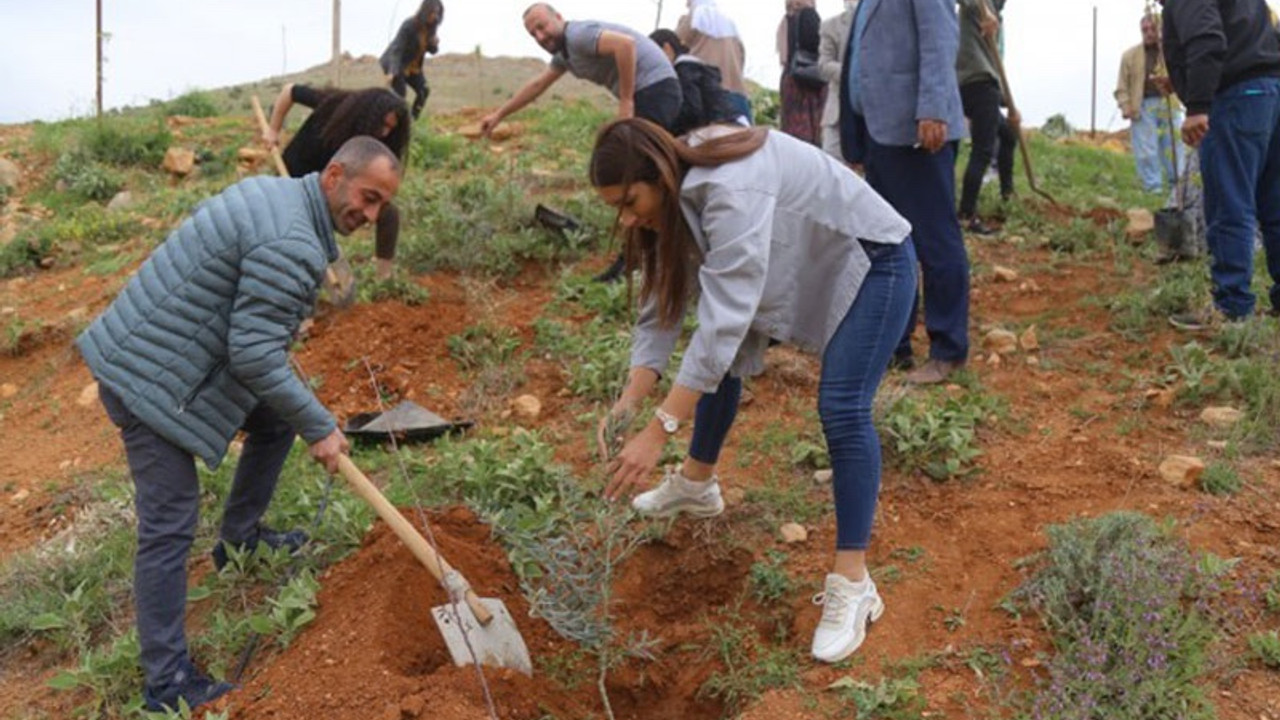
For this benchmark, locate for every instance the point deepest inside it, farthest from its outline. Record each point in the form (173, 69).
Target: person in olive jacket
(195, 349)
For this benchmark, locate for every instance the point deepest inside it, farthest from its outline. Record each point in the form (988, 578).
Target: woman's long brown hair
(636, 150)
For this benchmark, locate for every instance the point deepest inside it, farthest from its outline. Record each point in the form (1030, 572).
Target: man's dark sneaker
(614, 272)
(292, 540)
(975, 226)
(189, 685)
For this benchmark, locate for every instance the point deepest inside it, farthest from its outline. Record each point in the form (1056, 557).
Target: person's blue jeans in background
(853, 364)
(1154, 145)
(1240, 164)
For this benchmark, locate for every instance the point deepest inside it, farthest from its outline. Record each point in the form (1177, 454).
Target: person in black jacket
(801, 101)
(1224, 62)
(402, 60)
(704, 101)
(338, 116)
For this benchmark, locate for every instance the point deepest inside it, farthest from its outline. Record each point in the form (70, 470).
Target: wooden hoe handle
(407, 533)
(263, 126)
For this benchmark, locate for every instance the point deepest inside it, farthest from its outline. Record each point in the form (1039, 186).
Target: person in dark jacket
(801, 104)
(703, 100)
(402, 60)
(195, 349)
(338, 116)
(1224, 62)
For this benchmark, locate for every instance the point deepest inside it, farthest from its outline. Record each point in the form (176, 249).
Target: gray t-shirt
(581, 58)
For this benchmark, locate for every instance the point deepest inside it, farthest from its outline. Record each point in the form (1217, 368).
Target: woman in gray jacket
(775, 240)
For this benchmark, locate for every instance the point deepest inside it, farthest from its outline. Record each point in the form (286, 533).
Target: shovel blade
(498, 644)
(340, 284)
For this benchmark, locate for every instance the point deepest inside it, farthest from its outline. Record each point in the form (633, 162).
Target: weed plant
(138, 141)
(937, 432)
(1220, 479)
(749, 666)
(888, 699)
(86, 179)
(65, 237)
(1128, 609)
(1266, 647)
(196, 103)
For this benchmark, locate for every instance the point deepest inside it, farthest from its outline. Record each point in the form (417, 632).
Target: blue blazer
(906, 72)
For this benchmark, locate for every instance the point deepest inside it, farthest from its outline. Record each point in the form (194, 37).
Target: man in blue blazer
(901, 118)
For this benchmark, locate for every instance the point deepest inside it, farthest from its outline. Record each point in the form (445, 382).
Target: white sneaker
(847, 609)
(677, 494)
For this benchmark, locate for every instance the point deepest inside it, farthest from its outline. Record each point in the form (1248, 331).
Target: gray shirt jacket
(582, 57)
(779, 232)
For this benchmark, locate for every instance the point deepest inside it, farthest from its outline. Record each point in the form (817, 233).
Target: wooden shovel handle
(263, 126)
(407, 533)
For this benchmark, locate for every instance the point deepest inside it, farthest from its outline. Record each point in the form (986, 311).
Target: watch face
(670, 425)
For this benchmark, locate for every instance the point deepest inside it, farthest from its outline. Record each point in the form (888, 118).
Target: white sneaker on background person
(677, 494)
(848, 608)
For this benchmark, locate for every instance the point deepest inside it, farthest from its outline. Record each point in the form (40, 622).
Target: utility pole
(1093, 96)
(99, 53)
(657, 22)
(337, 42)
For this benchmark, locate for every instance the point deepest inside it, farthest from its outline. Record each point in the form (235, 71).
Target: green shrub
(1266, 646)
(1220, 479)
(120, 142)
(936, 433)
(196, 103)
(86, 179)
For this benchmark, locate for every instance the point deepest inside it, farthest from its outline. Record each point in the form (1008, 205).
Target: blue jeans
(1154, 145)
(853, 364)
(167, 500)
(1240, 164)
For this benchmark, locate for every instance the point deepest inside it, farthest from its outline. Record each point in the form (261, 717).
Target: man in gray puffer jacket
(196, 348)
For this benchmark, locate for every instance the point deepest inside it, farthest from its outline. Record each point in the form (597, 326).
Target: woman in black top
(801, 111)
(337, 116)
(704, 101)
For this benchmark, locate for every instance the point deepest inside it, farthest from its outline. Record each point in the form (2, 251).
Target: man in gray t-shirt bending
(629, 64)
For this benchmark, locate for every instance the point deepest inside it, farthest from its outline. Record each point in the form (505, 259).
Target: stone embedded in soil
(527, 407)
(8, 390)
(822, 476)
(179, 161)
(994, 359)
(1160, 397)
(88, 396)
(1029, 340)
(123, 200)
(10, 173)
(1033, 361)
(1000, 341)
(1141, 222)
(1004, 274)
(1181, 470)
(20, 496)
(1221, 417)
(793, 533)
(734, 495)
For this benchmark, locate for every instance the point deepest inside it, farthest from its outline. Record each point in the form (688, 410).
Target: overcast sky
(163, 48)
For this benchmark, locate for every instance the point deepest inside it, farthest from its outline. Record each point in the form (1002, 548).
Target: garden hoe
(339, 282)
(482, 624)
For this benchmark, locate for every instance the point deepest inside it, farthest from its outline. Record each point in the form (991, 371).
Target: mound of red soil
(374, 651)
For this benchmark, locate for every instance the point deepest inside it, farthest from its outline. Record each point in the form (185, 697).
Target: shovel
(483, 624)
(339, 281)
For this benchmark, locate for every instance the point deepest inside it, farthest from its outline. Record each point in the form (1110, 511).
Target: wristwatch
(670, 423)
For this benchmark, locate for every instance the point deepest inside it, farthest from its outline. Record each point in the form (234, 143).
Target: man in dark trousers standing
(982, 95)
(195, 349)
(1224, 62)
(901, 118)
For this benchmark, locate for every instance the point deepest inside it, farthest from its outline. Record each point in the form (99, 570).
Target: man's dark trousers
(1240, 164)
(168, 503)
(981, 101)
(921, 186)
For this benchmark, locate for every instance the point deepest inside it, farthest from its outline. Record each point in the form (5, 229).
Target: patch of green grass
(935, 432)
(1266, 648)
(749, 666)
(887, 699)
(196, 103)
(65, 237)
(127, 141)
(1220, 479)
(768, 578)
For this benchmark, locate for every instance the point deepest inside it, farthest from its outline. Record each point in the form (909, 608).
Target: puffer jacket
(201, 333)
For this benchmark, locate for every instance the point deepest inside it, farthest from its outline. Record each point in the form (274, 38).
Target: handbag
(806, 68)
(803, 65)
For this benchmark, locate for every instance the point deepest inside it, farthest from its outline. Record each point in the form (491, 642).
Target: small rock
(1033, 361)
(1029, 341)
(1217, 444)
(734, 496)
(8, 390)
(1004, 274)
(1141, 222)
(793, 533)
(994, 359)
(88, 396)
(65, 464)
(1080, 439)
(10, 173)
(179, 161)
(20, 496)
(527, 407)
(1017, 239)
(1000, 341)
(1181, 470)
(822, 476)
(1221, 417)
(122, 201)
(1160, 397)
(77, 315)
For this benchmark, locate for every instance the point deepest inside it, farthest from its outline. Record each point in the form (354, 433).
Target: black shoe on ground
(902, 363)
(189, 685)
(975, 226)
(293, 540)
(614, 272)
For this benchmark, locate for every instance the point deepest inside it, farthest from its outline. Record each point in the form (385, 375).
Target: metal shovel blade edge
(498, 644)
